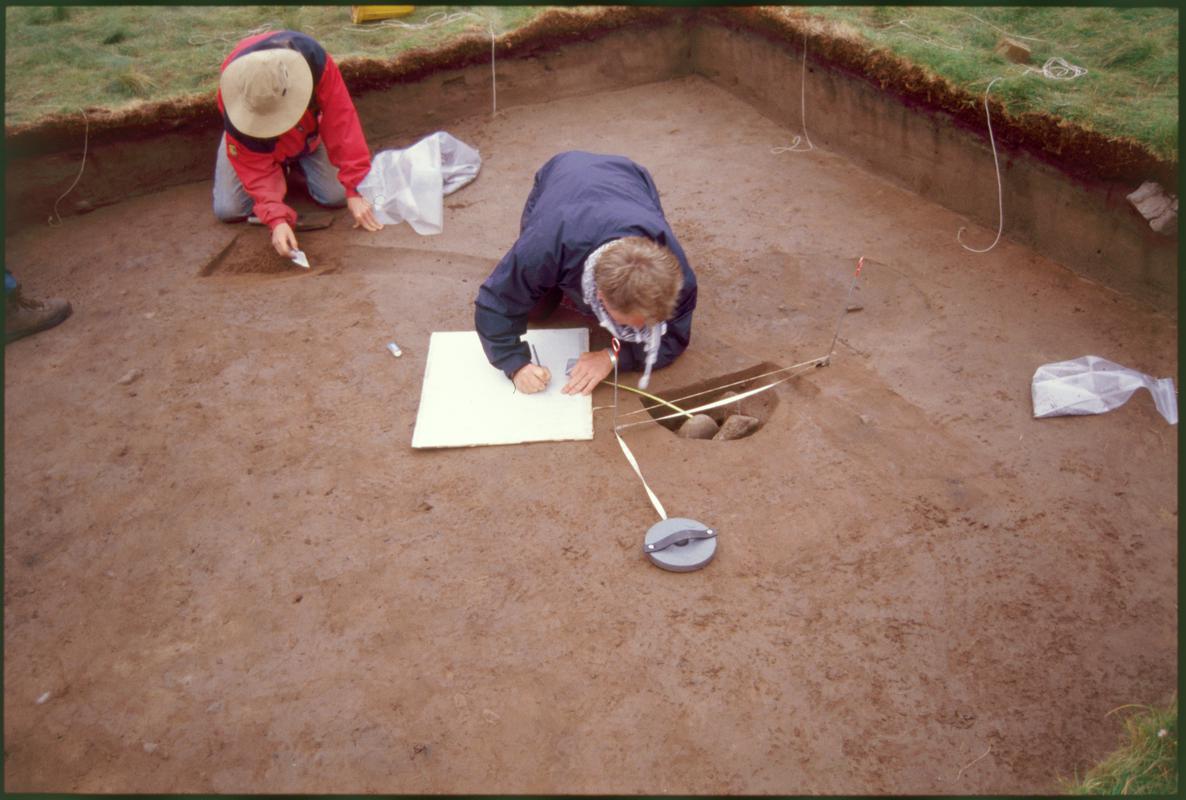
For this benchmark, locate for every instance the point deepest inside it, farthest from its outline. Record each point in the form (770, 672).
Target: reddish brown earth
(234, 574)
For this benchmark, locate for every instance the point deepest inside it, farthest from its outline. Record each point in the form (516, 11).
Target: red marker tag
(860, 263)
(614, 343)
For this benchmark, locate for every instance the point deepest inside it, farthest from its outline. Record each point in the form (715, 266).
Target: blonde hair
(638, 276)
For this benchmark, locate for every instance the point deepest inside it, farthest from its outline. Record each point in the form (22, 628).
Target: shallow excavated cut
(760, 406)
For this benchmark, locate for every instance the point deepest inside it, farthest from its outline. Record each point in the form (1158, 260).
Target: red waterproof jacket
(330, 118)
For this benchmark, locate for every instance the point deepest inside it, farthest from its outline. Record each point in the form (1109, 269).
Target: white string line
(438, 19)
(81, 167)
(434, 20)
(625, 449)
(714, 404)
(1000, 194)
(919, 35)
(1057, 69)
(646, 409)
(793, 147)
(493, 80)
(630, 455)
(844, 311)
(814, 362)
(1002, 30)
(201, 40)
(960, 774)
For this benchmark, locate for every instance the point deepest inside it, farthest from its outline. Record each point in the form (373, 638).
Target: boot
(24, 316)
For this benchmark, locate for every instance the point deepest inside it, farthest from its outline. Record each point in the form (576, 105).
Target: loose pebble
(43, 698)
(866, 419)
(149, 747)
(129, 377)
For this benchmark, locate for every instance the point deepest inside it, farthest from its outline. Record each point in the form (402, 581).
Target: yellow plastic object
(360, 14)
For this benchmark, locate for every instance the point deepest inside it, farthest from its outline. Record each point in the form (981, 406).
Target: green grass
(1130, 54)
(1147, 761)
(60, 59)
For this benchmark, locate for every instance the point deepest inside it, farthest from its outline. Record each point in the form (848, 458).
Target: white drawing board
(465, 402)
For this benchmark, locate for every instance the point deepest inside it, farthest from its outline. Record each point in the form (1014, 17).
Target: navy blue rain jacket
(579, 202)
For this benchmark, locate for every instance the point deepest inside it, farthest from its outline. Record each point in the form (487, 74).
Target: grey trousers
(232, 203)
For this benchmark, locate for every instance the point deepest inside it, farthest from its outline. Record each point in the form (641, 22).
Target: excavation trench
(917, 132)
(227, 571)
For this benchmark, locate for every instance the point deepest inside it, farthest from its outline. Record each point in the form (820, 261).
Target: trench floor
(233, 574)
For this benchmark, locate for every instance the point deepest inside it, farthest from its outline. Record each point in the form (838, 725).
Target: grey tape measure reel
(680, 545)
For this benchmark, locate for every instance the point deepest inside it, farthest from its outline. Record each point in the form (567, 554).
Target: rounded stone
(736, 427)
(700, 426)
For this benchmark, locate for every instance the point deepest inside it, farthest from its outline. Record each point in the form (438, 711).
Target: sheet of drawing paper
(465, 402)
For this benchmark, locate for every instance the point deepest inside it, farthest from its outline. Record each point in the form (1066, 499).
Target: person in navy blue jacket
(592, 235)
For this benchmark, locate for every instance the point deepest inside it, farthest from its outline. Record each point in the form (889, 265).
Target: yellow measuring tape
(633, 463)
(716, 403)
(815, 362)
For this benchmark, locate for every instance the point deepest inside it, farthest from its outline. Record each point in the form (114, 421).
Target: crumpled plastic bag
(1093, 385)
(410, 184)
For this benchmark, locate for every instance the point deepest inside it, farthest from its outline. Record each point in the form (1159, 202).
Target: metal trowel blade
(313, 221)
(299, 259)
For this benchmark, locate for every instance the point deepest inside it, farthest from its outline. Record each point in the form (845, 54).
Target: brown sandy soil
(234, 574)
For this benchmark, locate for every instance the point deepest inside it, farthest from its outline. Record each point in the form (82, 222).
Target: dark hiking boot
(24, 316)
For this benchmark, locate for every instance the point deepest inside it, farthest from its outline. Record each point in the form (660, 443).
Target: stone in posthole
(737, 426)
(700, 426)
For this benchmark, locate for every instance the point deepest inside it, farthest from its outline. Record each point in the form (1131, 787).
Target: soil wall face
(624, 58)
(1086, 225)
(1089, 227)
(127, 163)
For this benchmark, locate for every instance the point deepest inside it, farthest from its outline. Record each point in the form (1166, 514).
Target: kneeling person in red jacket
(283, 102)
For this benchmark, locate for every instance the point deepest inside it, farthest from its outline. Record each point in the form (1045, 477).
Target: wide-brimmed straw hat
(266, 92)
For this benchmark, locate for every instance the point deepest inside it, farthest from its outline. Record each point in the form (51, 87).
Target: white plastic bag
(410, 184)
(1093, 385)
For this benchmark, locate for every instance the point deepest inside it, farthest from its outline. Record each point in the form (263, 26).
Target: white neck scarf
(650, 335)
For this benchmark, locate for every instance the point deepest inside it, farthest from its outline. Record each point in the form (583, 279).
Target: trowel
(298, 258)
(313, 221)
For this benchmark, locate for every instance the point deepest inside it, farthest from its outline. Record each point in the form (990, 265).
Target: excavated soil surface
(233, 574)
